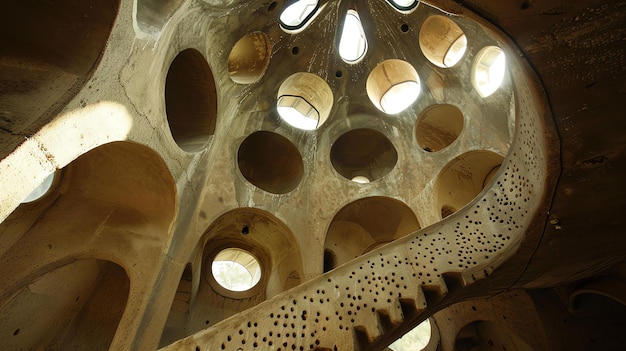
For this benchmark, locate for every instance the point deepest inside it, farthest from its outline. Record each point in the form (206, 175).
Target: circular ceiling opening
(463, 178)
(393, 86)
(304, 101)
(438, 126)
(488, 70)
(190, 100)
(403, 5)
(42, 189)
(442, 41)
(270, 162)
(249, 58)
(235, 269)
(363, 155)
(353, 43)
(416, 339)
(298, 15)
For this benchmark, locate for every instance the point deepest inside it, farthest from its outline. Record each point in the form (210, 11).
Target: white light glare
(297, 112)
(456, 51)
(403, 3)
(236, 270)
(297, 12)
(416, 339)
(360, 179)
(489, 70)
(353, 43)
(40, 190)
(399, 97)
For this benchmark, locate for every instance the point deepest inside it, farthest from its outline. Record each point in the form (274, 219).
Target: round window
(236, 269)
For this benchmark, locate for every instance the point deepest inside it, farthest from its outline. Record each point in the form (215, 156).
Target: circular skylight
(442, 41)
(297, 15)
(488, 70)
(353, 44)
(304, 101)
(236, 269)
(393, 86)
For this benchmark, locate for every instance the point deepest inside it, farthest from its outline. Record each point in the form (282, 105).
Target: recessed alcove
(249, 58)
(442, 41)
(271, 162)
(438, 126)
(463, 178)
(268, 252)
(190, 100)
(363, 155)
(365, 224)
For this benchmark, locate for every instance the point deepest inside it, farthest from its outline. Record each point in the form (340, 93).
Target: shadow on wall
(48, 51)
(77, 306)
(486, 335)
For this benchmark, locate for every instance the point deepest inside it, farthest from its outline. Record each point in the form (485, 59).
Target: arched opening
(77, 306)
(463, 178)
(249, 58)
(267, 251)
(442, 41)
(365, 224)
